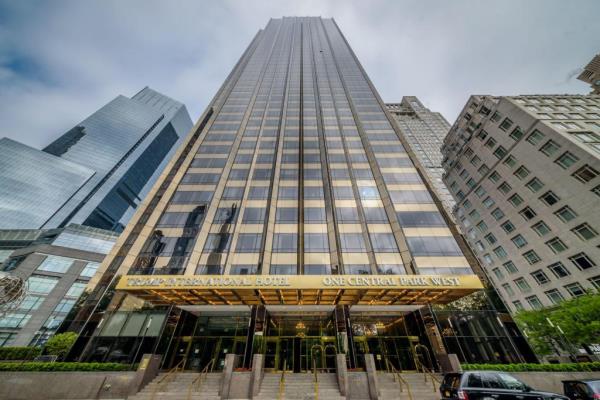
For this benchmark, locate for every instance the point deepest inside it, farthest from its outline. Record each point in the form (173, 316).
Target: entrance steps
(177, 387)
(299, 386)
(420, 390)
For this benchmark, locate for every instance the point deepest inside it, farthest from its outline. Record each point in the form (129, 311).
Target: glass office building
(61, 208)
(95, 174)
(290, 223)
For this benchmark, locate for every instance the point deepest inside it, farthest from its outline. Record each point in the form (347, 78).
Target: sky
(62, 60)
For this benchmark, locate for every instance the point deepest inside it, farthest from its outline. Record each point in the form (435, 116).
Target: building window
(534, 302)
(248, 243)
(14, 320)
(554, 296)
(582, 261)
(510, 161)
(494, 177)
(519, 241)
(515, 200)
(352, 242)
(6, 338)
(488, 202)
(76, 289)
(481, 135)
(594, 280)
(510, 267)
(566, 160)
(500, 252)
(516, 134)
(550, 148)
(482, 226)
(504, 188)
(535, 137)
(541, 228)
(521, 172)
(488, 259)
(596, 190)
(518, 305)
(316, 243)
(496, 116)
(509, 290)
(490, 238)
(566, 214)
(585, 174)
(285, 243)
(556, 245)
(508, 226)
(575, 289)
(90, 269)
(507, 123)
(549, 198)
(534, 185)
(56, 264)
(527, 213)
(497, 214)
(254, 215)
(498, 273)
(41, 284)
(584, 231)
(532, 257)
(500, 152)
(64, 306)
(484, 169)
(540, 277)
(283, 269)
(522, 285)
(480, 191)
(248, 269)
(559, 270)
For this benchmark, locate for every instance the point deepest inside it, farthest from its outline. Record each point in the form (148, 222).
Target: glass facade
(294, 184)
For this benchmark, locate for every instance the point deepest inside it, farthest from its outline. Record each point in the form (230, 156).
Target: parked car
(586, 389)
(490, 385)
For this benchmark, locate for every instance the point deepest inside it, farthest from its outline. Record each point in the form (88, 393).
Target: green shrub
(567, 367)
(59, 345)
(62, 366)
(19, 353)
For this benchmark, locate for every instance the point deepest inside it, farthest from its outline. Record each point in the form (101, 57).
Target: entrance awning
(299, 289)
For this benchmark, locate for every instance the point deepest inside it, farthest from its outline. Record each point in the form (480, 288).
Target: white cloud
(71, 57)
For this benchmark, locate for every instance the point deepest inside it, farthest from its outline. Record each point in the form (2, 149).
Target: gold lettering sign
(138, 282)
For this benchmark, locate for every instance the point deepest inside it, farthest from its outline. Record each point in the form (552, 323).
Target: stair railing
(162, 382)
(316, 379)
(282, 381)
(435, 382)
(398, 378)
(199, 380)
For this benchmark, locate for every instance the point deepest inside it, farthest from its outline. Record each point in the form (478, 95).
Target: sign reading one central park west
(300, 282)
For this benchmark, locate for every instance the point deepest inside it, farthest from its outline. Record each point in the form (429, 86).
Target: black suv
(586, 389)
(490, 385)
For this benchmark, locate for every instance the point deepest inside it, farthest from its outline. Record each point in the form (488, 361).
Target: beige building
(424, 131)
(524, 171)
(591, 74)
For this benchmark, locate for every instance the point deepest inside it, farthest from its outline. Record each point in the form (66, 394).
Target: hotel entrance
(299, 341)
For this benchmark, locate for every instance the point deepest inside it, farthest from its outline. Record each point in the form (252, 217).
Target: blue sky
(62, 60)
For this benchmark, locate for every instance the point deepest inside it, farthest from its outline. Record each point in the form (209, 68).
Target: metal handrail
(163, 381)
(316, 379)
(282, 381)
(401, 381)
(427, 372)
(199, 380)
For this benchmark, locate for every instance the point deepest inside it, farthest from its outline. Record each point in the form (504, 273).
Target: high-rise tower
(291, 217)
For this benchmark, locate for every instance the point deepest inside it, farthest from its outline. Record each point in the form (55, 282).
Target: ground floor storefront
(306, 338)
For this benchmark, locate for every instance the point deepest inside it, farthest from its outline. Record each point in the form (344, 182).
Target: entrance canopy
(299, 289)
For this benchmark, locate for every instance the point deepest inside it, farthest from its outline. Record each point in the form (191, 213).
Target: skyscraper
(525, 172)
(290, 219)
(425, 131)
(97, 172)
(591, 74)
(61, 208)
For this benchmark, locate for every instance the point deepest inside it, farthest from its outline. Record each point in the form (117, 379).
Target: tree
(575, 321)
(59, 345)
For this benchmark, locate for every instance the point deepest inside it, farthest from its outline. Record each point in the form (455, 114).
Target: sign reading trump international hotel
(300, 282)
